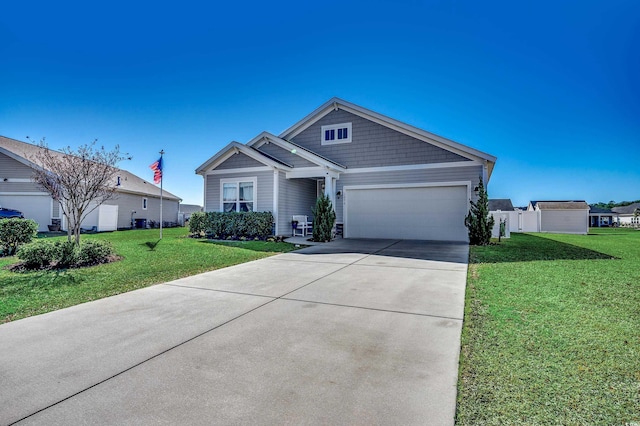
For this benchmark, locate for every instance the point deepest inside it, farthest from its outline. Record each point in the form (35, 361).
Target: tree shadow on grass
(530, 248)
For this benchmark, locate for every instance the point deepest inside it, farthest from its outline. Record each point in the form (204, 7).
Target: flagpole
(161, 179)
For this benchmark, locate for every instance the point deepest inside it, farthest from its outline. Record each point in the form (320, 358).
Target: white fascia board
(264, 137)
(38, 193)
(413, 167)
(310, 172)
(242, 170)
(444, 143)
(233, 148)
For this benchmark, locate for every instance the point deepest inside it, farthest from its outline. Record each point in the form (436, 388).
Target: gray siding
(264, 193)
(372, 145)
(10, 168)
(564, 221)
(238, 161)
(19, 187)
(451, 174)
(132, 202)
(296, 196)
(286, 156)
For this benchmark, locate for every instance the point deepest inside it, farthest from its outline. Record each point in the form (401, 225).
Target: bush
(37, 255)
(231, 225)
(93, 252)
(16, 232)
(323, 219)
(64, 254)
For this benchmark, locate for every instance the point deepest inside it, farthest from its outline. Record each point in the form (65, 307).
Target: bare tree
(80, 180)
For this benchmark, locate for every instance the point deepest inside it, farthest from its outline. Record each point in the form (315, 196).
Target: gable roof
(236, 147)
(630, 209)
(439, 141)
(560, 205)
(502, 204)
(129, 183)
(595, 209)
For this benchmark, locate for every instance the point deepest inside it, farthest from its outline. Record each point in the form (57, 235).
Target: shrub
(64, 254)
(93, 252)
(231, 225)
(479, 222)
(16, 232)
(37, 255)
(323, 219)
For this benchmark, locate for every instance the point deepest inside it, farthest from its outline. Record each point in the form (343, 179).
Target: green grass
(176, 256)
(552, 331)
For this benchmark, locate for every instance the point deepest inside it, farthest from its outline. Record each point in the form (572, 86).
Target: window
(336, 133)
(144, 204)
(238, 195)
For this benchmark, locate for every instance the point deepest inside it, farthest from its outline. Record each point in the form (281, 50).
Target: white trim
(337, 103)
(414, 167)
(16, 180)
(233, 148)
(294, 149)
(311, 172)
(237, 180)
(323, 130)
(276, 194)
(204, 194)
(25, 193)
(241, 170)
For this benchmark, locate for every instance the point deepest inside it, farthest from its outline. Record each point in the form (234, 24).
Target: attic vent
(118, 180)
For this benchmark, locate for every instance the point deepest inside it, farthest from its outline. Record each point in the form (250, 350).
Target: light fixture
(338, 194)
(476, 189)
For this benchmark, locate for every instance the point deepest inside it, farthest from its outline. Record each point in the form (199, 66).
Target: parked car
(9, 213)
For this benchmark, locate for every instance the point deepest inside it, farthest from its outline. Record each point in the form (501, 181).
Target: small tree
(479, 221)
(80, 180)
(323, 219)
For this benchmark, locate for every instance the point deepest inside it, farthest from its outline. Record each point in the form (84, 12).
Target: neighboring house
(599, 217)
(136, 198)
(627, 214)
(185, 211)
(500, 204)
(567, 217)
(386, 179)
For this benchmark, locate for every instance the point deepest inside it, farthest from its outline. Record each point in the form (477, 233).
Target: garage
(36, 207)
(416, 212)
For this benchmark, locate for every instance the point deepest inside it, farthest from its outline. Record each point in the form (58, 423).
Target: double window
(336, 133)
(238, 195)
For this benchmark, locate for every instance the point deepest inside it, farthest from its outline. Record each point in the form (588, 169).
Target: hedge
(16, 232)
(225, 225)
(64, 254)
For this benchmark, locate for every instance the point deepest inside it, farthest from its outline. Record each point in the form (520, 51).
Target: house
(627, 214)
(500, 204)
(385, 178)
(567, 217)
(599, 217)
(185, 211)
(137, 199)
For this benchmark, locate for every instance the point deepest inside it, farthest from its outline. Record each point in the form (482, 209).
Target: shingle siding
(373, 145)
(238, 161)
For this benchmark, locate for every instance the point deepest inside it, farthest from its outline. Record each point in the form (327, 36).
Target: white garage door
(36, 207)
(416, 213)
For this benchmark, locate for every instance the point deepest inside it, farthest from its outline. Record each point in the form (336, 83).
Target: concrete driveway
(349, 332)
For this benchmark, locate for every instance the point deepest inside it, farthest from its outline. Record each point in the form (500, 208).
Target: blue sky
(550, 88)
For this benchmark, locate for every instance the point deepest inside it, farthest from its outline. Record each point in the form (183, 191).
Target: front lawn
(552, 331)
(176, 256)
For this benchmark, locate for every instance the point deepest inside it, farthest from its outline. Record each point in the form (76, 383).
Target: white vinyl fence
(517, 221)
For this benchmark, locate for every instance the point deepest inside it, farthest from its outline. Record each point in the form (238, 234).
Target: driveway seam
(371, 309)
(141, 362)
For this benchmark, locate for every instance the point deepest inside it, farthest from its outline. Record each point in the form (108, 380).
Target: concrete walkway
(348, 332)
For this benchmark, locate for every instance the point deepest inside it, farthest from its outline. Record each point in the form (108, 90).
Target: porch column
(330, 188)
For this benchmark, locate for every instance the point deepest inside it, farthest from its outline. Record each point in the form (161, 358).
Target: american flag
(157, 170)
